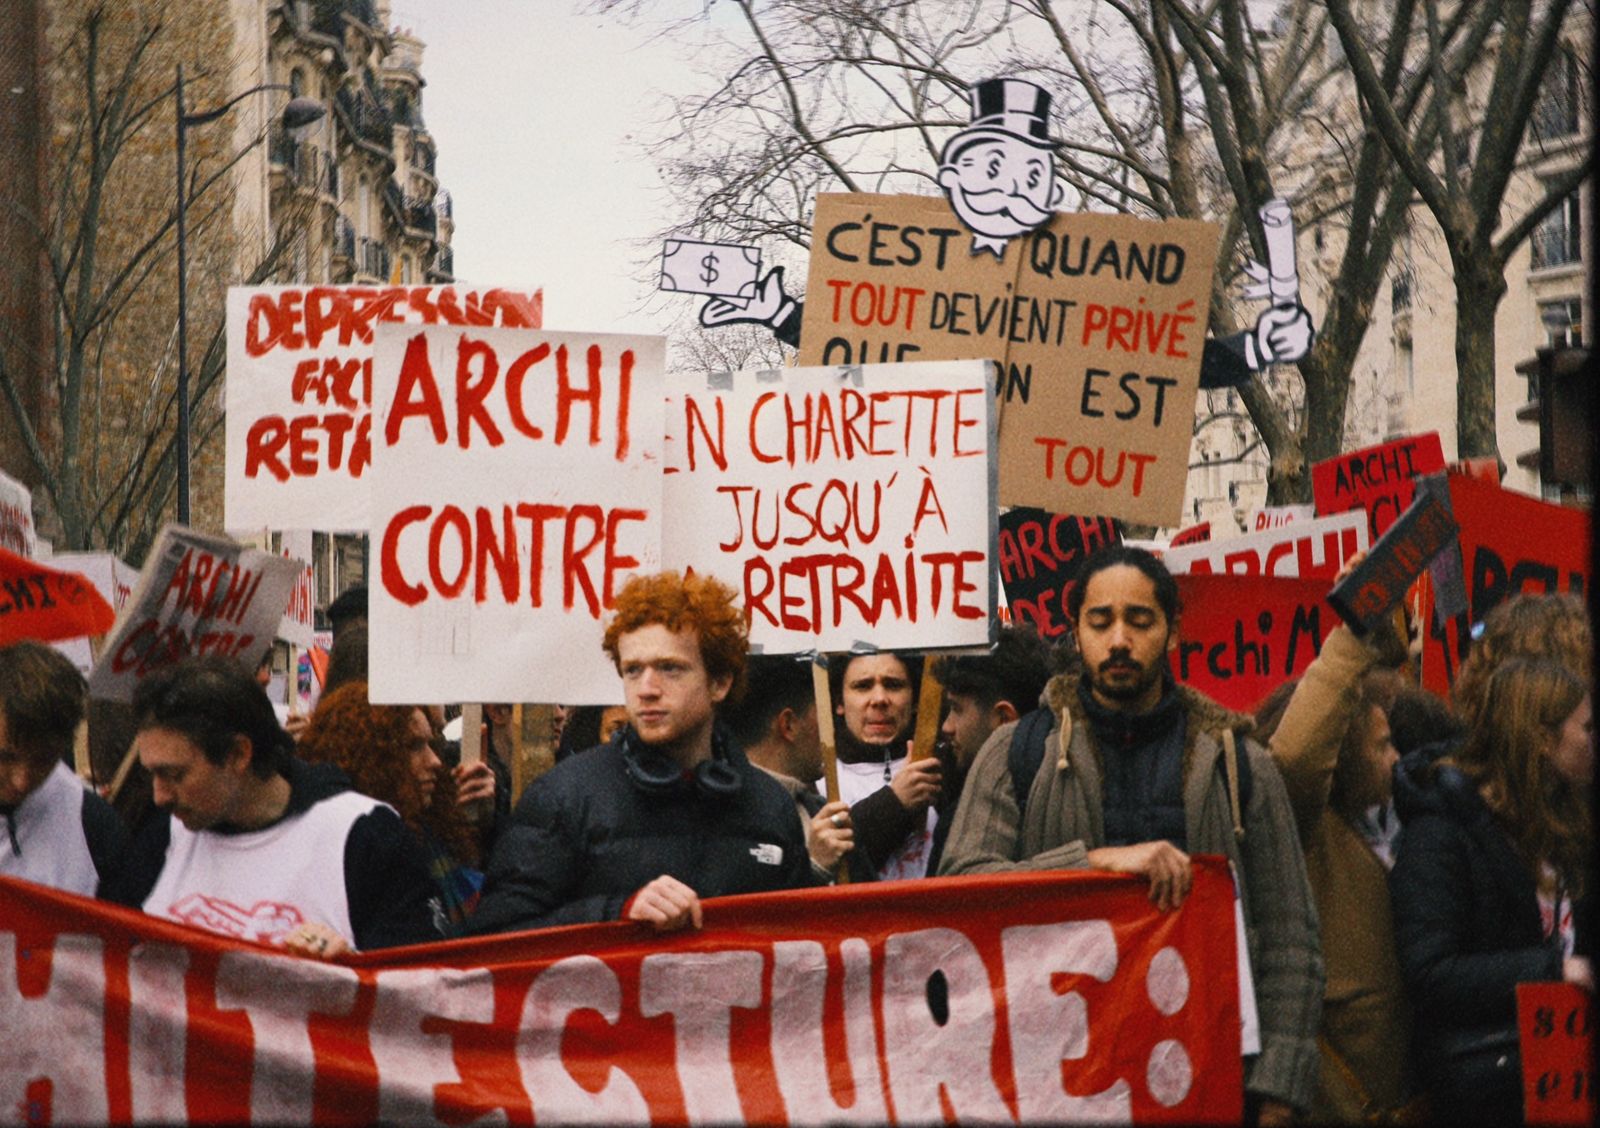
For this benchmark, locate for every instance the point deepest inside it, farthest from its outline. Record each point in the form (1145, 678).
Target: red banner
(1240, 636)
(1380, 480)
(1557, 1053)
(43, 603)
(1029, 997)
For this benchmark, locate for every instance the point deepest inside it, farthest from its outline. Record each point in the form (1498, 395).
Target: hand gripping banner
(1039, 997)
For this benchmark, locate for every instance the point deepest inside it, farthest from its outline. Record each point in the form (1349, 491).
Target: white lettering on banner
(55, 1043)
(279, 996)
(1047, 1027)
(158, 1032)
(412, 1062)
(799, 985)
(699, 991)
(573, 984)
(924, 1057)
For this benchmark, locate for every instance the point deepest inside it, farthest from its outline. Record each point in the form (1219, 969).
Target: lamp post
(299, 111)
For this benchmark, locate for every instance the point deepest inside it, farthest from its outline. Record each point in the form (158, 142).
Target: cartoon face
(1000, 186)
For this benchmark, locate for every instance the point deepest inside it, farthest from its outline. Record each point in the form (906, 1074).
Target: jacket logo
(767, 854)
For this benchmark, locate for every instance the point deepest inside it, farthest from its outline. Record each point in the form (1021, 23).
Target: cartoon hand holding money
(1283, 333)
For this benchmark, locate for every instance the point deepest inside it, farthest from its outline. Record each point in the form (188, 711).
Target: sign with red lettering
(112, 578)
(1039, 557)
(1240, 636)
(299, 621)
(1510, 543)
(1375, 587)
(43, 603)
(1557, 1053)
(1066, 996)
(1276, 516)
(846, 505)
(16, 518)
(299, 439)
(1303, 548)
(198, 594)
(1194, 534)
(1379, 480)
(516, 484)
(1096, 321)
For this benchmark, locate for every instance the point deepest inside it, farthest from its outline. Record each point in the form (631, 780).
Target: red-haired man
(645, 827)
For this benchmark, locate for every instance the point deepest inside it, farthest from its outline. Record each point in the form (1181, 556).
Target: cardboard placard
(16, 518)
(198, 594)
(1097, 322)
(1240, 636)
(1376, 586)
(1557, 1041)
(1379, 480)
(1510, 543)
(299, 392)
(846, 506)
(1039, 557)
(516, 485)
(1309, 548)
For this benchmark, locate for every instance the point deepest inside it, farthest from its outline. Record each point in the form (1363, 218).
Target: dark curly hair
(369, 742)
(700, 603)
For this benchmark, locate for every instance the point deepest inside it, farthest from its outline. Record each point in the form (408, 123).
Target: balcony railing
(373, 258)
(344, 238)
(366, 116)
(442, 205)
(1400, 291)
(1556, 245)
(420, 215)
(423, 158)
(445, 263)
(305, 165)
(328, 17)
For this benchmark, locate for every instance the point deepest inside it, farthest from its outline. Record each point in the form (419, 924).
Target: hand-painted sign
(1097, 322)
(198, 594)
(16, 518)
(1239, 636)
(112, 578)
(1067, 996)
(1376, 586)
(1039, 557)
(1379, 480)
(1276, 516)
(43, 603)
(299, 438)
(516, 485)
(1557, 1040)
(847, 505)
(1304, 548)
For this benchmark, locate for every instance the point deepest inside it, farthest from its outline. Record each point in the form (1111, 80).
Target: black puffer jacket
(1467, 925)
(587, 835)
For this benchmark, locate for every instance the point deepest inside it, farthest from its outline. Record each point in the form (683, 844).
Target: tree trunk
(1478, 293)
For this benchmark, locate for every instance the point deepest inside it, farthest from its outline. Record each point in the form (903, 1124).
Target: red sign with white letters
(1065, 996)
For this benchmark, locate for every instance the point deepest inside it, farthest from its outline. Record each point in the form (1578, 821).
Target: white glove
(769, 307)
(1283, 334)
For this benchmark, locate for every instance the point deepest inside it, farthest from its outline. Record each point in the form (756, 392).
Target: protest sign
(299, 624)
(299, 391)
(1097, 322)
(1557, 1042)
(1376, 586)
(1067, 997)
(1039, 557)
(1378, 480)
(516, 484)
(1303, 548)
(1276, 516)
(198, 594)
(112, 578)
(721, 269)
(1510, 543)
(1194, 534)
(45, 603)
(16, 518)
(1240, 636)
(846, 505)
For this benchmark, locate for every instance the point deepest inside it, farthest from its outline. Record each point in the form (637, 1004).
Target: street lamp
(299, 111)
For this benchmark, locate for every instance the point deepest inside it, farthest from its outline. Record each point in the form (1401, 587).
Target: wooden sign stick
(122, 774)
(519, 766)
(830, 758)
(930, 701)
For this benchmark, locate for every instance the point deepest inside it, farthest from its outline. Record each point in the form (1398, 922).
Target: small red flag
(46, 604)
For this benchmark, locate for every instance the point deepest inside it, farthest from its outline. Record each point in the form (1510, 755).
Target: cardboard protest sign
(1068, 997)
(845, 505)
(1240, 636)
(726, 270)
(1097, 323)
(1276, 516)
(516, 485)
(299, 392)
(1557, 1042)
(1510, 543)
(198, 594)
(1039, 557)
(16, 518)
(1379, 480)
(1376, 586)
(45, 603)
(1308, 548)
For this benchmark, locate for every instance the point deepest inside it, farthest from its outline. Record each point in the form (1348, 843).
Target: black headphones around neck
(655, 773)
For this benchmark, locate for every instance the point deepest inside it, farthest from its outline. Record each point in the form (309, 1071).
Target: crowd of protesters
(1403, 862)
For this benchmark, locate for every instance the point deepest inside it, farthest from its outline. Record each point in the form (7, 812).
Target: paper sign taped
(1304, 548)
(724, 270)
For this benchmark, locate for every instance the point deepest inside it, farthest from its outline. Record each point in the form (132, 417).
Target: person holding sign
(669, 813)
(1488, 890)
(1139, 773)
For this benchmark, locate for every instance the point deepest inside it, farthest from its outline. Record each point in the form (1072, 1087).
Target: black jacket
(588, 834)
(1467, 926)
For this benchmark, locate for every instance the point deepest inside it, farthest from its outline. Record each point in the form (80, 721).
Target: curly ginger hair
(689, 601)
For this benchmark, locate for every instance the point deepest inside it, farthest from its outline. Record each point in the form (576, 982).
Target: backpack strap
(1230, 763)
(1027, 753)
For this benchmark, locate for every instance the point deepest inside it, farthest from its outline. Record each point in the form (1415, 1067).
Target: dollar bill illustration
(724, 270)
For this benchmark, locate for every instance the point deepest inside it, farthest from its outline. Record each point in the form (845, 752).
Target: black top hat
(1012, 106)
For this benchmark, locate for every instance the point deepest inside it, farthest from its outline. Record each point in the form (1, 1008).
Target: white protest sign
(1276, 516)
(516, 484)
(1300, 548)
(16, 518)
(111, 577)
(300, 387)
(299, 623)
(845, 505)
(198, 594)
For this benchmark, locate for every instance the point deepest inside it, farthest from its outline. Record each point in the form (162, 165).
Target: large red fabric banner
(1023, 998)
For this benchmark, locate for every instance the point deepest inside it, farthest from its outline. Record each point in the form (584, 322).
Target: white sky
(537, 112)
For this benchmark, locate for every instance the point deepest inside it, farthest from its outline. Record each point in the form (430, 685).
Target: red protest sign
(1379, 479)
(1241, 636)
(1039, 557)
(46, 604)
(1557, 1053)
(1510, 543)
(1194, 534)
(1301, 548)
(1068, 997)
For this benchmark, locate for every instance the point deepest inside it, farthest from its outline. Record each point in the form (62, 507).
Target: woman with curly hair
(1493, 859)
(387, 751)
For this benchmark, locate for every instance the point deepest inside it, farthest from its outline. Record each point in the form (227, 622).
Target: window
(1563, 322)
(1405, 376)
(297, 82)
(1558, 238)
(1556, 114)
